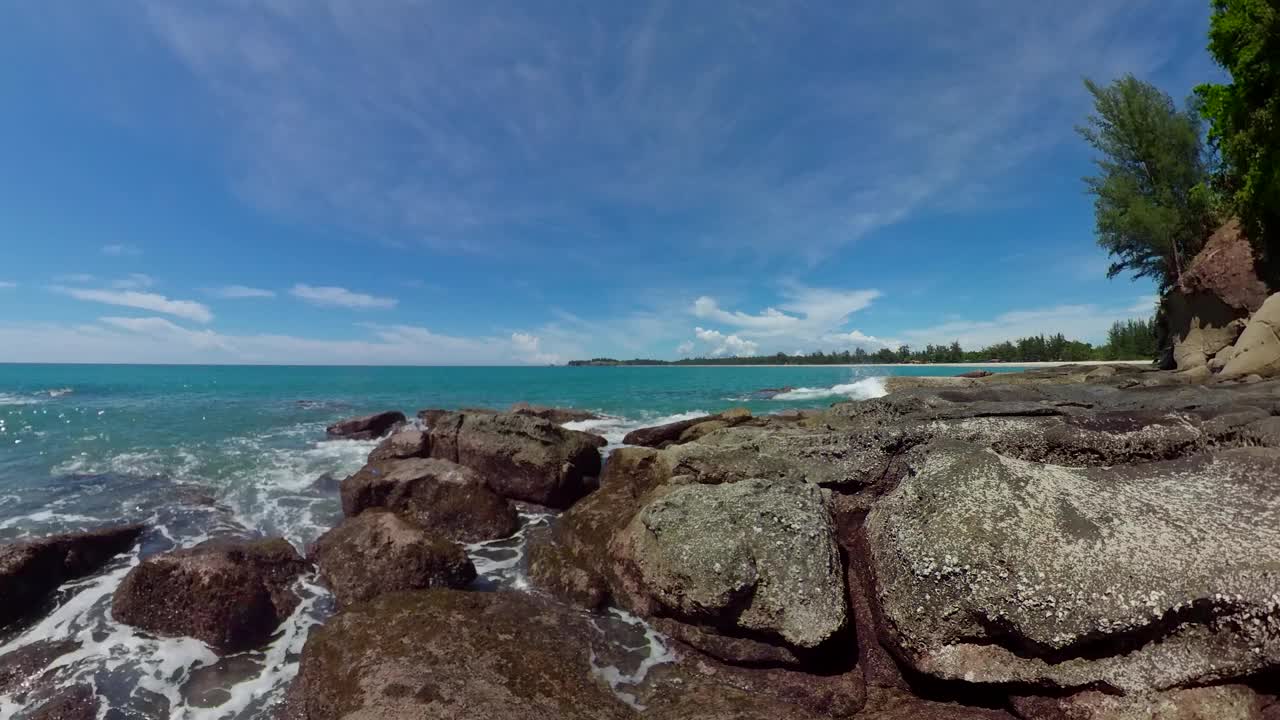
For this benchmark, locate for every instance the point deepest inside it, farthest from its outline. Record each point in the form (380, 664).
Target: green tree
(1151, 199)
(1244, 117)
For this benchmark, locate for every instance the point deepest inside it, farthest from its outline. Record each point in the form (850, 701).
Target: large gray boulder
(231, 594)
(1134, 578)
(520, 457)
(378, 552)
(755, 556)
(32, 569)
(437, 494)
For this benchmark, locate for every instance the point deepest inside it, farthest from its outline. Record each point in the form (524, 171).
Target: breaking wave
(865, 389)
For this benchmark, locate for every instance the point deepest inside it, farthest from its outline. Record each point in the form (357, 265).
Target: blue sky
(451, 182)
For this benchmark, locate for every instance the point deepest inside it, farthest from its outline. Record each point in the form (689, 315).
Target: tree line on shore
(1126, 340)
(1165, 182)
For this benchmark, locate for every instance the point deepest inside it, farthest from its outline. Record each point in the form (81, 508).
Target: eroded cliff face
(1208, 310)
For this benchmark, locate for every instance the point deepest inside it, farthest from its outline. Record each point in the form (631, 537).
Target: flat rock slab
(1139, 577)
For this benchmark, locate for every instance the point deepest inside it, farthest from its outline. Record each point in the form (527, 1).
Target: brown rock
(975, 374)
(403, 444)
(74, 703)
(556, 415)
(519, 456)
(379, 552)
(1219, 702)
(884, 704)
(453, 655)
(1225, 268)
(22, 668)
(703, 428)
(368, 427)
(662, 435)
(674, 433)
(32, 569)
(571, 563)
(437, 494)
(231, 594)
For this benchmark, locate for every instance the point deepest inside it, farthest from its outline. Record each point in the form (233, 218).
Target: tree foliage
(1151, 199)
(1126, 340)
(1244, 116)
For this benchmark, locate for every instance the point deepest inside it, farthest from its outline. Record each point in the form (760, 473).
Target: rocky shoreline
(1074, 543)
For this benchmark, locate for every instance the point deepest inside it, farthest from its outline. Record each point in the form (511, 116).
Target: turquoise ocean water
(197, 451)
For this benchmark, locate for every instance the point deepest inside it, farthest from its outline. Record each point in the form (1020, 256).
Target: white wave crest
(865, 389)
(613, 428)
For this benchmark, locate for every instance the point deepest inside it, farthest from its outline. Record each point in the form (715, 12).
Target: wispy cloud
(327, 296)
(240, 292)
(133, 281)
(495, 118)
(806, 316)
(6, 285)
(159, 340)
(186, 309)
(118, 250)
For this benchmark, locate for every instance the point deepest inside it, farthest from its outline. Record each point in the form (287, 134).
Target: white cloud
(327, 296)
(809, 312)
(685, 348)
(857, 338)
(164, 329)
(527, 347)
(133, 281)
(240, 292)
(118, 250)
(158, 340)
(720, 344)
(187, 309)
(1077, 322)
(7, 285)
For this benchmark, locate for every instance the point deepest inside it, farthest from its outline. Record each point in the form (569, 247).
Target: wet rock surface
(22, 669)
(520, 457)
(379, 552)
(231, 594)
(368, 427)
(438, 494)
(453, 655)
(75, 703)
(32, 569)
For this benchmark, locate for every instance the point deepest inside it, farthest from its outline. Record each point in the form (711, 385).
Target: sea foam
(865, 389)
